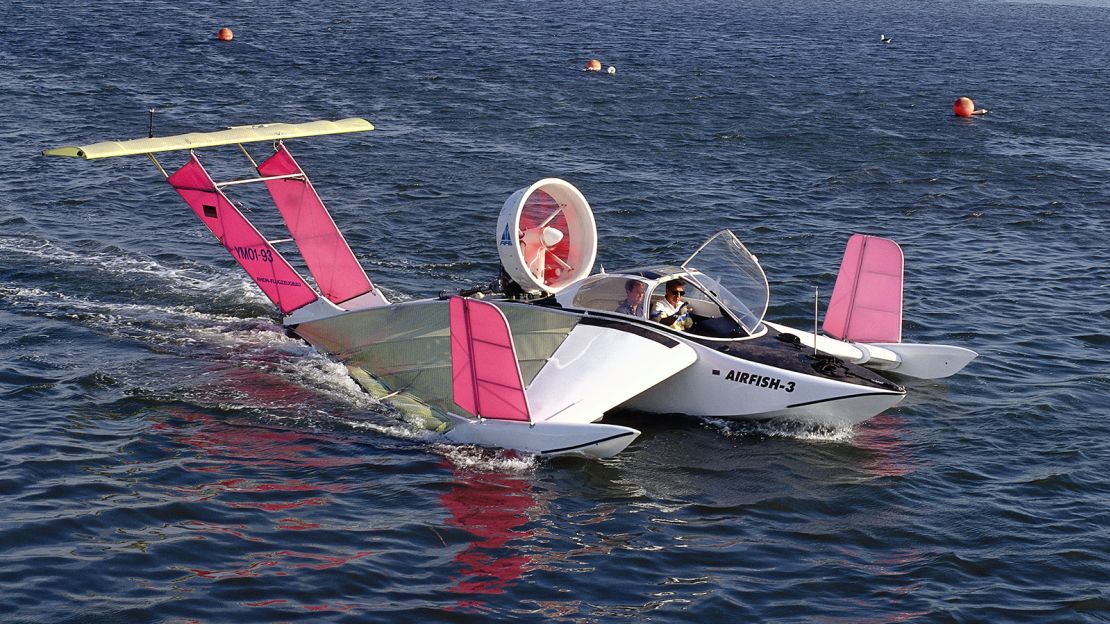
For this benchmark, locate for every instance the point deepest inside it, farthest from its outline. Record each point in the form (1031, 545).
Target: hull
(764, 378)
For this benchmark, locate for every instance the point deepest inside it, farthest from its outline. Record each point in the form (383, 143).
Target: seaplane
(535, 360)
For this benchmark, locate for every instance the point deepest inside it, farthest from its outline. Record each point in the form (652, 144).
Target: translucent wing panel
(408, 345)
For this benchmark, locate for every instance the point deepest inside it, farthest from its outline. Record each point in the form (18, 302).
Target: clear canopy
(725, 269)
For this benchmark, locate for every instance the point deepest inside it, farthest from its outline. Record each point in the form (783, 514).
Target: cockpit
(725, 289)
(634, 295)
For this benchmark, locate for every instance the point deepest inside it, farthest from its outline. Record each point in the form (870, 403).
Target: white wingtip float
(551, 349)
(486, 382)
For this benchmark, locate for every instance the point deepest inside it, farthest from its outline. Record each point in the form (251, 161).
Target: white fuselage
(716, 383)
(739, 373)
(725, 386)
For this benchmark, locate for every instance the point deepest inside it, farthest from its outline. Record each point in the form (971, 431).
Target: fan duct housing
(546, 236)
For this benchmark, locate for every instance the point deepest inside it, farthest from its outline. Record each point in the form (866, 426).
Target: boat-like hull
(765, 378)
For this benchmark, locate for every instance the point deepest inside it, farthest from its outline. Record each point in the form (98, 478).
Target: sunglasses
(680, 292)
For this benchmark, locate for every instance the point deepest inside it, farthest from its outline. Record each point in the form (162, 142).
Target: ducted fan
(546, 236)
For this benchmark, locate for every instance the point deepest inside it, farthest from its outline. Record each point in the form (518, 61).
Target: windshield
(726, 269)
(621, 294)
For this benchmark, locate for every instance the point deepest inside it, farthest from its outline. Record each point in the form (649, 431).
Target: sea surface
(168, 454)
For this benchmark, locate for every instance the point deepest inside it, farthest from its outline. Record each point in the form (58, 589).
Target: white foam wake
(780, 429)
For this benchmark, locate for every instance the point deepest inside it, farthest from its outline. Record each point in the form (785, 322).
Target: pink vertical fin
(327, 254)
(866, 303)
(273, 274)
(485, 375)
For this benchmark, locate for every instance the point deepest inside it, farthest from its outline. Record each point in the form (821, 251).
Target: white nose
(548, 236)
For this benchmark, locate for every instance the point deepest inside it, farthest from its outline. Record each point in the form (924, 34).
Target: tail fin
(337, 272)
(273, 273)
(866, 303)
(485, 375)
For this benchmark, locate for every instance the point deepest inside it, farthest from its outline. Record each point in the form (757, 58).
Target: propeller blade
(553, 215)
(536, 264)
(560, 261)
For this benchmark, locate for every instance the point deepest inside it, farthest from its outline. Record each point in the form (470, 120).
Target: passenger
(671, 310)
(634, 298)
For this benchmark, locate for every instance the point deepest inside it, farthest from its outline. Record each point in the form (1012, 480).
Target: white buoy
(612, 70)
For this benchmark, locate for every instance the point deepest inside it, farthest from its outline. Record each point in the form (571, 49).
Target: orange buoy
(593, 65)
(963, 107)
(225, 34)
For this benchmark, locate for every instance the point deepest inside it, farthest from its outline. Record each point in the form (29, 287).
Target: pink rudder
(329, 258)
(273, 274)
(866, 304)
(485, 375)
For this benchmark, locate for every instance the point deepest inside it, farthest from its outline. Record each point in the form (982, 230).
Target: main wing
(574, 367)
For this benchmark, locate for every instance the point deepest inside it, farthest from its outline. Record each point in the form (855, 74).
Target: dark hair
(630, 284)
(674, 284)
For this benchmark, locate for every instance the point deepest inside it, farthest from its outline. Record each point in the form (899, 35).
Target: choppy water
(168, 455)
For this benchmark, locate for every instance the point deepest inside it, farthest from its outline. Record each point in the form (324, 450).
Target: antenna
(815, 321)
(150, 134)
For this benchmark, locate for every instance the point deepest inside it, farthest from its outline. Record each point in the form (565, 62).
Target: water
(169, 455)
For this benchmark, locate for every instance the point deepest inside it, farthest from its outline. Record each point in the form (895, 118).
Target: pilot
(671, 309)
(634, 298)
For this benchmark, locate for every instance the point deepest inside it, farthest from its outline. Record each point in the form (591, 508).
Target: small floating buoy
(963, 107)
(612, 71)
(225, 34)
(593, 65)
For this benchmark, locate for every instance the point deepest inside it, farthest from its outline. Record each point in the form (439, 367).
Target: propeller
(545, 237)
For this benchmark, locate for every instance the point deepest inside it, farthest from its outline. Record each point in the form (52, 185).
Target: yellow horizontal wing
(194, 140)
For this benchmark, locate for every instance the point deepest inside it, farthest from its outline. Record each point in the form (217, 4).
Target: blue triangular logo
(505, 238)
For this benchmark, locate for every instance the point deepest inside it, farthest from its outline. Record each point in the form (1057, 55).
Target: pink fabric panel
(273, 274)
(325, 251)
(866, 304)
(462, 379)
(840, 304)
(485, 376)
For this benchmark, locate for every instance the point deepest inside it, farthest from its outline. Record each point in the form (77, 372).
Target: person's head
(675, 289)
(634, 291)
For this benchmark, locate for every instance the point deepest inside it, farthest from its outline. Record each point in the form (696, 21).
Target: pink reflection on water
(491, 507)
(241, 446)
(246, 475)
(234, 530)
(882, 436)
(296, 524)
(329, 607)
(265, 603)
(237, 444)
